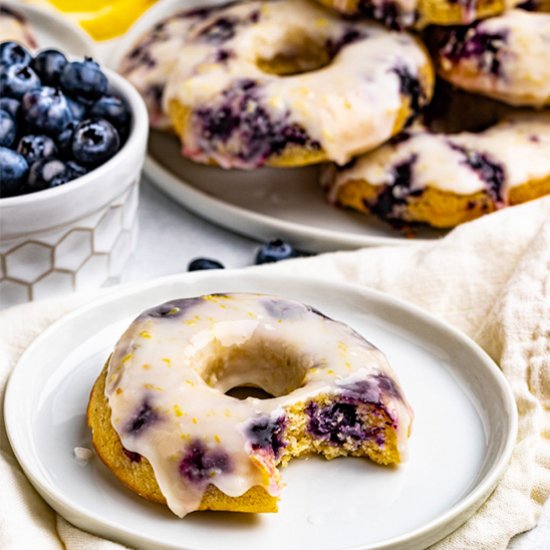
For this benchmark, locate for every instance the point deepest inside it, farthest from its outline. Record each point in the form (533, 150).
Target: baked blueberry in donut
(503, 57)
(445, 179)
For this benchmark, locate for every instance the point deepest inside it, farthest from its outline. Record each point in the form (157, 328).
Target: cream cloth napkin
(489, 278)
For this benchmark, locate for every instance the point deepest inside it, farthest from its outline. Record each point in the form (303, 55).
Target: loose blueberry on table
(199, 264)
(275, 251)
(58, 119)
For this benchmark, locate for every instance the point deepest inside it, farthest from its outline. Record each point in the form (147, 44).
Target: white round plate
(265, 203)
(464, 429)
(52, 30)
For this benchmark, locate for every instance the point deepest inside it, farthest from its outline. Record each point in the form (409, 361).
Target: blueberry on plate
(275, 251)
(36, 147)
(47, 173)
(48, 65)
(198, 264)
(94, 142)
(13, 173)
(113, 109)
(11, 106)
(8, 130)
(46, 110)
(16, 80)
(12, 53)
(84, 80)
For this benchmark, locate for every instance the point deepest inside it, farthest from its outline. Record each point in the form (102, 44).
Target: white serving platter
(464, 430)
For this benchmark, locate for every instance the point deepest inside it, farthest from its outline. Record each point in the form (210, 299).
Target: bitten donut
(444, 180)
(13, 27)
(503, 57)
(287, 83)
(162, 422)
(406, 13)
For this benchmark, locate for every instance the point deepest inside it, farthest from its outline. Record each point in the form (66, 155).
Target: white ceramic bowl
(79, 235)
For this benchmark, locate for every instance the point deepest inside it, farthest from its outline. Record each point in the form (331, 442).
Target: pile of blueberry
(58, 120)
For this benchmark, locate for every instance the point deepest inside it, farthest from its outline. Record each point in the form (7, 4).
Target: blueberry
(76, 169)
(16, 80)
(65, 140)
(36, 147)
(46, 110)
(13, 172)
(11, 106)
(8, 130)
(94, 142)
(198, 264)
(48, 173)
(274, 251)
(200, 464)
(113, 109)
(78, 110)
(48, 65)
(12, 53)
(84, 80)
(337, 422)
(145, 416)
(266, 433)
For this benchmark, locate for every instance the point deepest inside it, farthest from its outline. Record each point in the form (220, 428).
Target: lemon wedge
(102, 19)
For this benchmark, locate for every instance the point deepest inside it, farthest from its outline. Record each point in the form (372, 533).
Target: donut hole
(256, 365)
(299, 53)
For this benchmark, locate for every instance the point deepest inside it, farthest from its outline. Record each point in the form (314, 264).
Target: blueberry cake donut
(504, 57)
(444, 180)
(152, 58)
(406, 13)
(162, 422)
(287, 83)
(13, 27)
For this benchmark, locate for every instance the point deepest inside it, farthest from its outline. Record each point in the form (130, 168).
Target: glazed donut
(504, 57)
(162, 422)
(406, 13)
(152, 58)
(236, 100)
(444, 180)
(13, 27)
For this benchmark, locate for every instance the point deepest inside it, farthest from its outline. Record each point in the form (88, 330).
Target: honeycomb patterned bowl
(80, 235)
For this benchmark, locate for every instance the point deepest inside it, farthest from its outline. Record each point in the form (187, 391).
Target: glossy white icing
(522, 72)
(169, 372)
(151, 60)
(520, 145)
(348, 106)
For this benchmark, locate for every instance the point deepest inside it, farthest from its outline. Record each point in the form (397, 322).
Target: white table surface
(170, 236)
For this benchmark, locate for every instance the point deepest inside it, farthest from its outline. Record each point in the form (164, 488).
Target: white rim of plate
(465, 507)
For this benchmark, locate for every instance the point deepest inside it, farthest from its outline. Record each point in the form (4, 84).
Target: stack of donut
(295, 82)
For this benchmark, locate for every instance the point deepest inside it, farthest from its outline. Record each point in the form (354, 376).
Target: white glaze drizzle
(349, 106)
(520, 144)
(162, 361)
(524, 74)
